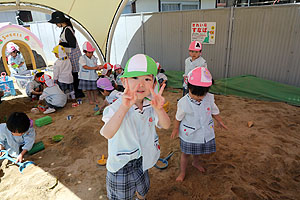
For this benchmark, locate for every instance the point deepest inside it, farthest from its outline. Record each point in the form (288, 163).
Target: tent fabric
(256, 88)
(98, 17)
(175, 78)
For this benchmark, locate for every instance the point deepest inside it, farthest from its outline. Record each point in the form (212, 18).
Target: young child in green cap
(130, 123)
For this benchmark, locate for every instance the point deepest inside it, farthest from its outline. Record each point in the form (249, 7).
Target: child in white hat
(194, 60)
(130, 124)
(54, 97)
(118, 73)
(194, 120)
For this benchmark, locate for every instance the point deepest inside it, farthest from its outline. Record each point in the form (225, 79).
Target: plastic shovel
(164, 161)
(22, 166)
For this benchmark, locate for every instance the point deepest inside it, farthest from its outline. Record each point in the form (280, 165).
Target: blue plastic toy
(22, 166)
(164, 161)
(96, 108)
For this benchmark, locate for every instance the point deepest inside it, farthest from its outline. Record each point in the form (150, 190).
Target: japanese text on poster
(204, 32)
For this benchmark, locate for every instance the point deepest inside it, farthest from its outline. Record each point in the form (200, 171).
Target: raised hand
(157, 100)
(129, 96)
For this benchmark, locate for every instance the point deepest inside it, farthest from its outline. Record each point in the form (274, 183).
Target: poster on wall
(204, 32)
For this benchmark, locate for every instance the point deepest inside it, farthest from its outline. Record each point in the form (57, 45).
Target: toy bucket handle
(3, 74)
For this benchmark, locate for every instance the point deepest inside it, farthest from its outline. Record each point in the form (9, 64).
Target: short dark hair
(198, 90)
(102, 90)
(18, 122)
(39, 74)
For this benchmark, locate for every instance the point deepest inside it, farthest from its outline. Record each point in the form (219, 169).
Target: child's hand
(100, 67)
(175, 133)
(19, 158)
(157, 100)
(129, 96)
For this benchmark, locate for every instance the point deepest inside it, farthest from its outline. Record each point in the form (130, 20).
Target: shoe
(49, 110)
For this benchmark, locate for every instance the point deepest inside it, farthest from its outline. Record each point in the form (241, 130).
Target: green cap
(140, 65)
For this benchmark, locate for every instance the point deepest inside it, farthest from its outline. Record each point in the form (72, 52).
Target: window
(175, 6)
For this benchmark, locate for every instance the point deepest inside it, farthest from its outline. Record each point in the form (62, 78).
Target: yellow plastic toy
(167, 106)
(102, 161)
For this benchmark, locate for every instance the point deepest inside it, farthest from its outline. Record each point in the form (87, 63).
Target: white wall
(8, 16)
(146, 6)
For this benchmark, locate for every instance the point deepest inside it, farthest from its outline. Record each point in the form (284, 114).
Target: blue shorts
(129, 179)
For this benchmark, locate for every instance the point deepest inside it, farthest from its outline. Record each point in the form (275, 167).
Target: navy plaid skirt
(124, 183)
(87, 85)
(198, 148)
(66, 87)
(74, 58)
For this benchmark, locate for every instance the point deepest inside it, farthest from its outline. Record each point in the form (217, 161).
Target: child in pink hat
(88, 64)
(194, 60)
(194, 120)
(106, 89)
(118, 73)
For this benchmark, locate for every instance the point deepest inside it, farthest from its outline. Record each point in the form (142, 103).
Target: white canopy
(97, 17)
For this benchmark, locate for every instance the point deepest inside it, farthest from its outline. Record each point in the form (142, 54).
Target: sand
(261, 162)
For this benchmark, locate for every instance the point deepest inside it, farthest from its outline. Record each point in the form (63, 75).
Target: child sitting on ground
(54, 97)
(130, 123)
(62, 73)
(107, 90)
(87, 72)
(107, 73)
(118, 73)
(34, 88)
(162, 78)
(194, 120)
(17, 135)
(194, 60)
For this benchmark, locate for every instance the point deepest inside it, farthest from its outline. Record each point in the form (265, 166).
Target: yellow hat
(60, 50)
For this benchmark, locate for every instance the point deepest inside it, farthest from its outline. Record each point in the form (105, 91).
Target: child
(107, 90)
(194, 121)
(54, 97)
(34, 88)
(107, 72)
(87, 72)
(118, 73)
(162, 78)
(17, 136)
(195, 60)
(62, 73)
(130, 123)
(15, 59)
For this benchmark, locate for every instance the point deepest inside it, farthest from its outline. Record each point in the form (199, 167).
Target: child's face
(56, 55)
(194, 54)
(17, 134)
(13, 54)
(36, 79)
(89, 54)
(105, 93)
(119, 71)
(145, 83)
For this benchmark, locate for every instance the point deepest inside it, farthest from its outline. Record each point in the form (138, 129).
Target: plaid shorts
(129, 179)
(66, 87)
(87, 85)
(198, 148)
(74, 58)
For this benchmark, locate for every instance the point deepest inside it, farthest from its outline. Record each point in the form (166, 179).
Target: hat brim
(56, 21)
(135, 74)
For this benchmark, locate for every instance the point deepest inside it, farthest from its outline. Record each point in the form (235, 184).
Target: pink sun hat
(117, 66)
(87, 46)
(105, 84)
(195, 46)
(200, 76)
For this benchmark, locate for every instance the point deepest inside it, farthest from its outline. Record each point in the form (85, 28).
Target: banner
(204, 32)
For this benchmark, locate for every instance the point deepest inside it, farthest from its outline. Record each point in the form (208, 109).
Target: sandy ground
(261, 162)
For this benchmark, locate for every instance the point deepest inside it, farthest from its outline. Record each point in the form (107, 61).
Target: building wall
(8, 16)
(146, 6)
(262, 41)
(208, 4)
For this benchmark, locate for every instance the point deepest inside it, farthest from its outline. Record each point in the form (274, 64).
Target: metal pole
(229, 42)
